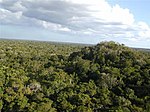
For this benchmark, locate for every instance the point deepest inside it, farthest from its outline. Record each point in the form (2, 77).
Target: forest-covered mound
(121, 75)
(108, 77)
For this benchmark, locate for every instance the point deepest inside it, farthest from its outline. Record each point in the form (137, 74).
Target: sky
(77, 21)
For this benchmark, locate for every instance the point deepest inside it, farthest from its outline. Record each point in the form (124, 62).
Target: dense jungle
(64, 77)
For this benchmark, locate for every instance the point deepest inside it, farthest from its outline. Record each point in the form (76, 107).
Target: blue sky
(77, 21)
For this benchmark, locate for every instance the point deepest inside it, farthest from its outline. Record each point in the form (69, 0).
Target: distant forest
(58, 77)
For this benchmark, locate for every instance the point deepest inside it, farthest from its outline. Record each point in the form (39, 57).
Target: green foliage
(50, 77)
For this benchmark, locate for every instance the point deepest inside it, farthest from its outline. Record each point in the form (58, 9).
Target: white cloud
(9, 17)
(121, 15)
(56, 27)
(17, 7)
(1, 1)
(143, 25)
(85, 17)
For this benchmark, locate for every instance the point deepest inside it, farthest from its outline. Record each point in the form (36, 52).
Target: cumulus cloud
(92, 17)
